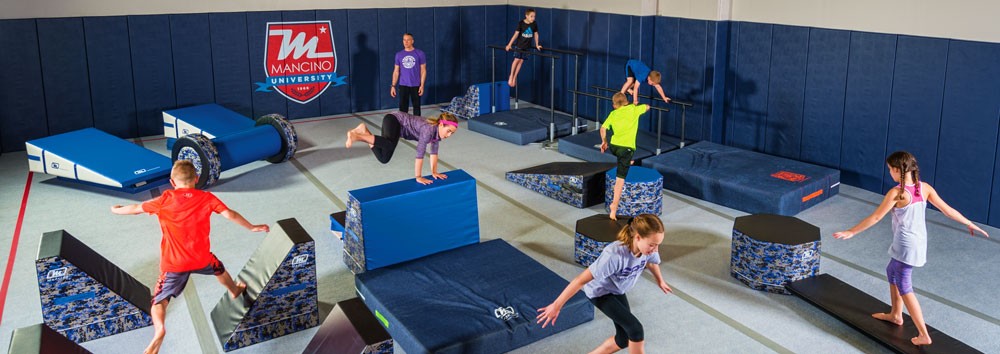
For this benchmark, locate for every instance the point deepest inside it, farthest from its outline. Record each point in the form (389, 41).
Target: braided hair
(906, 163)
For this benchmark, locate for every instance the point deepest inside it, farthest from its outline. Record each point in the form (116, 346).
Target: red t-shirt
(184, 219)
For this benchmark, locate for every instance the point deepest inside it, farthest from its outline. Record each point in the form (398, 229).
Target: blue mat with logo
(480, 298)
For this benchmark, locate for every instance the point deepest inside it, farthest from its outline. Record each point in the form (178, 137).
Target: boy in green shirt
(624, 122)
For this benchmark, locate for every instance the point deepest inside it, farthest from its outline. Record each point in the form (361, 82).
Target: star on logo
(322, 29)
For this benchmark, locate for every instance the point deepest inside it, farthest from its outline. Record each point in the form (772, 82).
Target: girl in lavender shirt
(427, 132)
(613, 274)
(908, 201)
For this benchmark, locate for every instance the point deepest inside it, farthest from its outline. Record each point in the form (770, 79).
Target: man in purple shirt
(410, 72)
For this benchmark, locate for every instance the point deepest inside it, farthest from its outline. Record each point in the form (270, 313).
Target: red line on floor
(13, 246)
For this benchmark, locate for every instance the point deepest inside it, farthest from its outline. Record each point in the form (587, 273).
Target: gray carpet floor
(710, 312)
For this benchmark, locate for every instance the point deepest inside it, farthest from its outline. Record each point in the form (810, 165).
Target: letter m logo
(298, 56)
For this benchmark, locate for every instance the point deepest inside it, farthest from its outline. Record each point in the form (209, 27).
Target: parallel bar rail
(684, 106)
(659, 117)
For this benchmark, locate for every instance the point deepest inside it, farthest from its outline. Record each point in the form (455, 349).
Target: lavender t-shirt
(416, 128)
(616, 270)
(409, 66)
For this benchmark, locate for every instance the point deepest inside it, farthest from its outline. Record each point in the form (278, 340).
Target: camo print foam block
(771, 250)
(280, 297)
(354, 238)
(580, 184)
(642, 194)
(350, 329)
(593, 233)
(83, 295)
(465, 107)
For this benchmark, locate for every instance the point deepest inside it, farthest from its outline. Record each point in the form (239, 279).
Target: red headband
(442, 121)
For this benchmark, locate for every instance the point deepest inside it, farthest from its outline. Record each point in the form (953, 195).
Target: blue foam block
(93, 156)
(210, 119)
(745, 180)
(404, 220)
(486, 96)
(480, 298)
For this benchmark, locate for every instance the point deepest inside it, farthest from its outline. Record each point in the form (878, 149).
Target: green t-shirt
(624, 121)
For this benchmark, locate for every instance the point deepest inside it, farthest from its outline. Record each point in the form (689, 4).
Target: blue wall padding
(406, 220)
(597, 56)
(729, 94)
(823, 110)
(420, 23)
(247, 146)
(312, 109)
(22, 106)
(496, 34)
(866, 112)
(666, 56)
(968, 139)
(64, 74)
(786, 90)
(617, 52)
(110, 68)
(718, 62)
(745, 180)
(231, 61)
(153, 70)
(444, 67)
(542, 85)
(391, 26)
(558, 28)
(192, 49)
(576, 39)
(263, 102)
(690, 84)
(364, 75)
(750, 102)
(465, 289)
(473, 43)
(337, 100)
(917, 94)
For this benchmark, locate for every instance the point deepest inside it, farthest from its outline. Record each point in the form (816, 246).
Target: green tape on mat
(385, 323)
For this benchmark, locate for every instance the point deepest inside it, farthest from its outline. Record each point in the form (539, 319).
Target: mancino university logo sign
(300, 60)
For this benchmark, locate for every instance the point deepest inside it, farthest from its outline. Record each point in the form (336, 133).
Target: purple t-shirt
(616, 270)
(416, 128)
(409, 66)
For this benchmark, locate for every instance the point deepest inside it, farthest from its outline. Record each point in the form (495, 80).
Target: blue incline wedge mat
(854, 307)
(280, 298)
(400, 221)
(40, 339)
(745, 180)
(211, 119)
(480, 298)
(83, 295)
(98, 158)
(521, 126)
(350, 329)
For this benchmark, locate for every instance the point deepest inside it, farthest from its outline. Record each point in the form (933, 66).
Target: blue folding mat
(480, 298)
(96, 158)
(745, 180)
(521, 126)
(211, 120)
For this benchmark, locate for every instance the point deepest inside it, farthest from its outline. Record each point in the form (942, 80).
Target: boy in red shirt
(184, 214)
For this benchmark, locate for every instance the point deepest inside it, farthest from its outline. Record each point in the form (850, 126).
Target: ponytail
(443, 116)
(641, 225)
(906, 163)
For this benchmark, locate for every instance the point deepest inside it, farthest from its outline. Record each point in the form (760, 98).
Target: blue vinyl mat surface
(479, 298)
(521, 126)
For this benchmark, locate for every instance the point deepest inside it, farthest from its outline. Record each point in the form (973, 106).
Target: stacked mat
(480, 298)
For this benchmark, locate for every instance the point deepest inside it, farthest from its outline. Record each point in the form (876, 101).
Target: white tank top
(909, 231)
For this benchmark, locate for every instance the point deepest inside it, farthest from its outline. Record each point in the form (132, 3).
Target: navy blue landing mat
(40, 339)
(83, 295)
(587, 146)
(745, 180)
(854, 307)
(521, 126)
(479, 298)
(97, 158)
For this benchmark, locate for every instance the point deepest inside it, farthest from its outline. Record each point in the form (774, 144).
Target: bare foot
(154, 346)
(350, 138)
(242, 287)
(511, 82)
(921, 340)
(898, 320)
(361, 128)
(613, 214)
